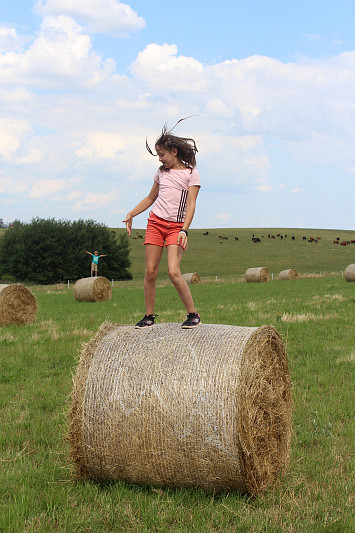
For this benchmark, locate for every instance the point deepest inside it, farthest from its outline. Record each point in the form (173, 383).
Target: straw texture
(257, 275)
(349, 273)
(291, 273)
(192, 278)
(17, 305)
(93, 289)
(209, 407)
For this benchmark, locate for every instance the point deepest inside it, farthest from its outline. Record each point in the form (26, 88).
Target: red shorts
(161, 232)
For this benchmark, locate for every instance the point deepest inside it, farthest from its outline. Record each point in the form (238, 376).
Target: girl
(174, 192)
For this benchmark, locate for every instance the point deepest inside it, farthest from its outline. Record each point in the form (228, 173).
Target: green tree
(49, 250)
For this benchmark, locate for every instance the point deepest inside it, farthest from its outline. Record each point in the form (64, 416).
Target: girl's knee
(175, 275)
(151, 274)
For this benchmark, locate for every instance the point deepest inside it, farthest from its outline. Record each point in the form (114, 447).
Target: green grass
(229, 259)
(316, 319)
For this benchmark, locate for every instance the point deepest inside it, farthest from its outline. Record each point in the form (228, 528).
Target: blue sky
(270, 85)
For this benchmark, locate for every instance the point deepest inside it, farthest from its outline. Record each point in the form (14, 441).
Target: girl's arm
(190, 211)
(142, 206)
(88, 253)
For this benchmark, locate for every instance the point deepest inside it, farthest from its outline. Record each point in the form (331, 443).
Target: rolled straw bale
(93, 289)
(257, 275)
(17, 305)
(192, 277)
(349, 273)
(179, 408)
(288, 274)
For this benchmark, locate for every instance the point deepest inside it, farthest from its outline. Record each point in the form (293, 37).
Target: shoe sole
(191, 327)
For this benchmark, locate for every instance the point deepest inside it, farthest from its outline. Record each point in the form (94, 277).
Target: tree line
(49, 251)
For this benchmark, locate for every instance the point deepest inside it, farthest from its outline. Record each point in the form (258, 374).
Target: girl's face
(168, 158)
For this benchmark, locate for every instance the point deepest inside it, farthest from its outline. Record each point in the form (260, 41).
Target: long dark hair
(186, 148)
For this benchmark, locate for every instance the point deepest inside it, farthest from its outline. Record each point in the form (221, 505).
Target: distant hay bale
(192, 278)
(17, 305)
(177, 408)
(288, 274)
(93, 289)
(349, 273)
(257, 275)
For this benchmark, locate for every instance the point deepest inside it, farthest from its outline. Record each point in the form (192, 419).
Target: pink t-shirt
(173, 190)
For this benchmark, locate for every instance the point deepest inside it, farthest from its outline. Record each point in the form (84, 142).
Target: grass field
(316, 319)
(229, 259)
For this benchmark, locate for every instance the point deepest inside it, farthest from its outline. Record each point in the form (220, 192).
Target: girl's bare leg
(174, 260)
(152, 259)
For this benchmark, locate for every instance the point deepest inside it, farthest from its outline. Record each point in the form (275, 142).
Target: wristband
(184, 231)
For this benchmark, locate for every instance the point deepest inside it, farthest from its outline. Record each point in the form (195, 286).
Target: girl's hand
(182, 240)
(128, 221)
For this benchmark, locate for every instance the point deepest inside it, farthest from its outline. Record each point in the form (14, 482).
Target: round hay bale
(257, 275)
(17, 305)
(288, 274)
(209, 407)
(192, 278)
(93, 289)
(349, 273)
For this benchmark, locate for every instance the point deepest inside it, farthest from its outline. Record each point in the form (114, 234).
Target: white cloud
(96, 201)
(10, 41)
(100, 16)
(12, 134)
(101, 145)
(222, 217)
(264, 188)
(218, 107)
(60, 56)
(47, 187)
(313, 37)
(161, 67)
(10, 187)
(296, 190)
(33, 156)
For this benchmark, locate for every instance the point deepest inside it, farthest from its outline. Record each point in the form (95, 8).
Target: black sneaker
(147, 320)
(193, 320)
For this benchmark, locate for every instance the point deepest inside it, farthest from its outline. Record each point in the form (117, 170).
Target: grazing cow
(236, 239)
(113, 231)
(319, 238)
(344, 243)
(335, 242)
(352, 241)
(338, 238)
(304, 238)
(281, 237)
(293, 238)
(206, 233)
(273, 236)
(140, 236)
(255, 239)
(269, 236)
